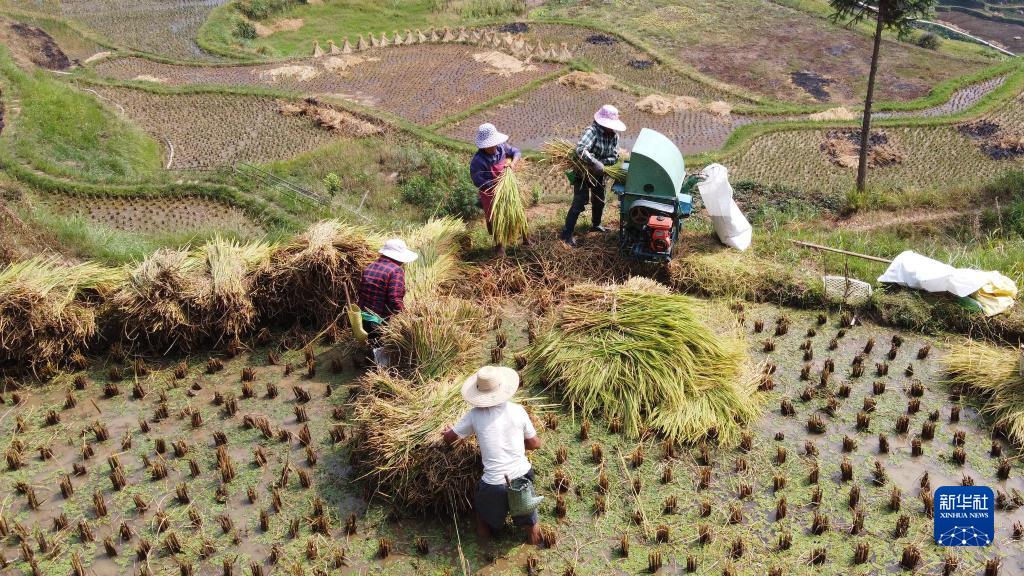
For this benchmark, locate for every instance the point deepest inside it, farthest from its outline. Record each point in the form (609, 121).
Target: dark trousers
(491, 503)
(373, 330)
(584, 190)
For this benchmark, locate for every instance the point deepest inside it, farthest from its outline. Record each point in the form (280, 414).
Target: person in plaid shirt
(599, 146)
(382, 287)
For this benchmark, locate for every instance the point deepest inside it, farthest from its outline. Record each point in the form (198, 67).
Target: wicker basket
(846, 290)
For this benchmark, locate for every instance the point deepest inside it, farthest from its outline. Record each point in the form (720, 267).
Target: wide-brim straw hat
(487, 135)
(490, 386)
(398, 251)
(608, 116)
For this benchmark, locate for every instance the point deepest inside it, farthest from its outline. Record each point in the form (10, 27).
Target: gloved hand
(598, 166)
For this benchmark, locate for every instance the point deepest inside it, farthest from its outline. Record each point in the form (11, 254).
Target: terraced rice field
(166, 27)
(208, 130)
(554, 110)
(961, 100)
(620, 59)
(158, 215)
(393, 79)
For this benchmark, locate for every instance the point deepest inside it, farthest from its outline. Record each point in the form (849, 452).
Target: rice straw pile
(154, 307)
(311, 276)
(43, 312)
(993, 375)
(508, 214)
(639, 353)
(561, 155)
(399, 448)
(436, 336)
(223, 293)
(438, 242)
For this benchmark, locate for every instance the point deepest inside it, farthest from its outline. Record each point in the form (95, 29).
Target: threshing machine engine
(655, 198)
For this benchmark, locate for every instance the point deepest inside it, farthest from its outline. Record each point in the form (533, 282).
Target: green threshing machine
(655, 199)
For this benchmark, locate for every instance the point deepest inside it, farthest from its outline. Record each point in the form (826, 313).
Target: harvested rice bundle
(640, 354)
(561, 155)
(509, 213)
(993, 374)
(154, 307)
(400, 450)
(436, 336)
(223, 293)
(311, 276)
(43, 315)
(438, 242)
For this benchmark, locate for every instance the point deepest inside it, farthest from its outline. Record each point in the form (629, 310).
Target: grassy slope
(69, 133)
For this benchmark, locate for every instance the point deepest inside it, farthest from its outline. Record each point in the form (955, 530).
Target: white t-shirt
(500, 432)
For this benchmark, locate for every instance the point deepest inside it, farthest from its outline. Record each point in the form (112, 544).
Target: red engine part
(660, 228)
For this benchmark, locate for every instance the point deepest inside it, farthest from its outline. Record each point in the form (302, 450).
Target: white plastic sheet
(919, 272)
(730, 224)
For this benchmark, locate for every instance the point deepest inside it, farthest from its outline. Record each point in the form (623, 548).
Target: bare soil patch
(842, 147)
(31, 45)
(284, 25)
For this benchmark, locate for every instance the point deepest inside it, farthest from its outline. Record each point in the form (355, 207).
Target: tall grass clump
(508, 216)
(399, 449)
(640, 354)
(45, 309)
(992, 374)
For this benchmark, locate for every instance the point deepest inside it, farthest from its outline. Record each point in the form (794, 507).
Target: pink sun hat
(608, 116)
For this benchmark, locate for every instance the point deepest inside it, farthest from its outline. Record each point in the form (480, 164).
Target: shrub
(445, 189)
(333, 183)
(929, 41)
(245, 29)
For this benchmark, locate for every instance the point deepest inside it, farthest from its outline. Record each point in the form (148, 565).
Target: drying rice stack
(993, 374)
(43, 312)
(438, 242)
(508, 215)
(223, 292)
(154, 307)
(313, 275)
(400, 450)
(436, 336)
(561, 154)
(639, 353)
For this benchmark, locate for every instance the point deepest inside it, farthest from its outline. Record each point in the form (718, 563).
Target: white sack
(732, 227)
(919, 272)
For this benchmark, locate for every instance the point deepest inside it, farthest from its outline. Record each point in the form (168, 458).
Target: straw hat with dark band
(490, 386)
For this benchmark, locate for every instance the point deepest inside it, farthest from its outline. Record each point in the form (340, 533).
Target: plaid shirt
(598, 144)
(382, 288)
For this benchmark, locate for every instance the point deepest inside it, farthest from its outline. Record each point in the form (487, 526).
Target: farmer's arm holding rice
(504, 433)
(382, 288)
(493, 156)
(599, 146)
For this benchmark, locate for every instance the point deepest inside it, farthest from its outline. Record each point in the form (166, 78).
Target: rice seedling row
(157, 215)
(392, 79)
(209, 130)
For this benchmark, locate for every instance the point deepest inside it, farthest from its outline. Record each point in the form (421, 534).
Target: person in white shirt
(504, 433)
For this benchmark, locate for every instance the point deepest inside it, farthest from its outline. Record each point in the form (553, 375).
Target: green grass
(66, 132)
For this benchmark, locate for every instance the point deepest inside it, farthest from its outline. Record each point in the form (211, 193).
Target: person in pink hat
(493, 155)
(599, 147)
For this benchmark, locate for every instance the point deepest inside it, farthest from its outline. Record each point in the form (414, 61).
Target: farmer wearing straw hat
(504, 433)
(599, 146)
(493, 155)
(382, 289)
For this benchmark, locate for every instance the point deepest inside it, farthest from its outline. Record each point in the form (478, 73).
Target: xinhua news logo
(964, 516)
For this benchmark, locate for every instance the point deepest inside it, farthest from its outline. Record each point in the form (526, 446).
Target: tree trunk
(865, 134)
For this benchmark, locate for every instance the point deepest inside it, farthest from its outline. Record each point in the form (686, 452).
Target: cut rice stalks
(436, 336)
(993, 375)
(639, 354)
(224, 291)
(508, 215)
(153, 308)
(561, 155)
(45, 313)
(438, 242)
(400, 450)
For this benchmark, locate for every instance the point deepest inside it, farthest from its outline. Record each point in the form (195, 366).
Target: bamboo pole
(838, 251)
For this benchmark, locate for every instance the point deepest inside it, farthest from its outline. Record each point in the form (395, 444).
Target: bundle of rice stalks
(400, 450)
(639, 353)
(310, 277)
(223, 293)
(438, 242)
(561, 155)
(436, 336)
(44, 309)
(508, 216)
(992, 374)
(154, 306)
